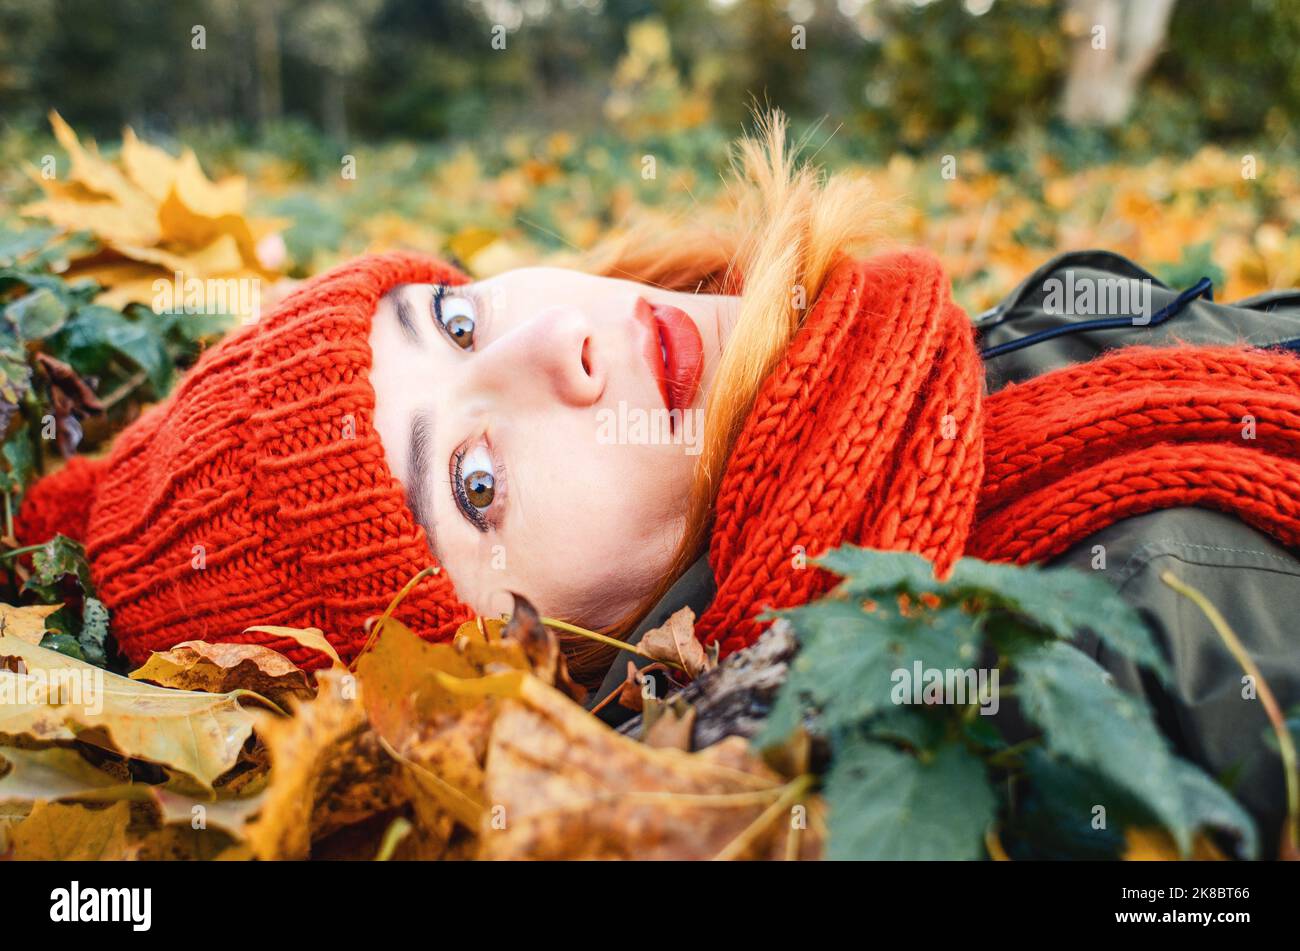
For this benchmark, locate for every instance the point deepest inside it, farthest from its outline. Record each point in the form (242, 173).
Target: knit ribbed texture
(258, 493)
(874, 430)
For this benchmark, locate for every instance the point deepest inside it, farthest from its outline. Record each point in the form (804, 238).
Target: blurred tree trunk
(1115, 43)
(266, 39)
(334, 106)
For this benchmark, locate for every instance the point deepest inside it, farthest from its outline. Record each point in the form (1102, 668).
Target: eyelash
(474, 515)
(440, 291)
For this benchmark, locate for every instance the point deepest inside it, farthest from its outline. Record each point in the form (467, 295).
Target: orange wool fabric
(258, 493)
(875, 429)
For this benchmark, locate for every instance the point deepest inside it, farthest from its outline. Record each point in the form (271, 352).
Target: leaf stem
(397, 830)
(123, 391)
(999, 757)
(18, 551)
(1271, 708)
(790, 793)
(607, 640)
(392, 606)
(254, 695)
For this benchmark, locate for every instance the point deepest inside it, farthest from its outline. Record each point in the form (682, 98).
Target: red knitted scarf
(874, 429)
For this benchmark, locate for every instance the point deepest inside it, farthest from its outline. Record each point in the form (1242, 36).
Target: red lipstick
(674, 351)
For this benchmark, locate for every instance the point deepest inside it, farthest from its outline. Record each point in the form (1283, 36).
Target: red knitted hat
(258, 492)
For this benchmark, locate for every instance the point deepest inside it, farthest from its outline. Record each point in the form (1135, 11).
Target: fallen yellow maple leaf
(55, 831)
(437, 734)
(162, 213)
(55, 699)
(26, 623)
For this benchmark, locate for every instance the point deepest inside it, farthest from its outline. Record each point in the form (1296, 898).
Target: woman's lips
(674, 351)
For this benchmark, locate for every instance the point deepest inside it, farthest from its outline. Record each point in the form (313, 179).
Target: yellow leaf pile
(469, 749)
(156, 218)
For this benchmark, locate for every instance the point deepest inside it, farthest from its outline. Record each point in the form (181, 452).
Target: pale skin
(522, 387)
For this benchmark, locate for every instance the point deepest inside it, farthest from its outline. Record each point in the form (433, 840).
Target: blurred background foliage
(501, 156)
(900, 73)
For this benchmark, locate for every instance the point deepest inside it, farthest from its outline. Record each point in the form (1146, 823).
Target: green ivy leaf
(1088, 720)
(52, 562)
(1208, 805)
(845, 669)
(866, 571)
(64, 644)
(1060, 810)
(18, 244)
(20, 462)
(37, 315)
(886, 804)
(1064, 601)
(136, 340)
(95, 333)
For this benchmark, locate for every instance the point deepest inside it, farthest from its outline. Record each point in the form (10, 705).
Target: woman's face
(545, 424)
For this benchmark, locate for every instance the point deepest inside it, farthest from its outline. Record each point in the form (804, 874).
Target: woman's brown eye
(479, 489)
(461, 330)
(455, 314)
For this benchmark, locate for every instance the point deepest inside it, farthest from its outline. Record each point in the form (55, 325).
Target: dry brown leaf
(26, 623)
(180, 843)
(221, 668)
(55, 831)
(631, 693)
(401, 671)
(327, 771)
(232, 815)
(675, 642)
(541, 647)
(562, 785)
(439, 736)
(68, 383)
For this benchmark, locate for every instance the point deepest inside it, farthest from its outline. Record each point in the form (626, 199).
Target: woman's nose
(557, 349)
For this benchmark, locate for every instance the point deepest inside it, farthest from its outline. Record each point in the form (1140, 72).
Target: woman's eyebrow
(405, 316)
(417, 475)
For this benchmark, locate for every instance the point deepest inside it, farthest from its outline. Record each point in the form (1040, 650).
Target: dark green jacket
(1253, 581)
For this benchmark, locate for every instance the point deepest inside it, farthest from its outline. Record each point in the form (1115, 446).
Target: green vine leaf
(886, 804)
